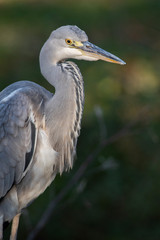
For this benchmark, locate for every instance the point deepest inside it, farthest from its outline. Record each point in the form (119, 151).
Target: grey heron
(39, 129)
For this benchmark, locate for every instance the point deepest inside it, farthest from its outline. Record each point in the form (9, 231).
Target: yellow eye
(68, 41)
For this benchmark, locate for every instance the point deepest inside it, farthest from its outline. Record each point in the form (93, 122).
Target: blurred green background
(118, 197)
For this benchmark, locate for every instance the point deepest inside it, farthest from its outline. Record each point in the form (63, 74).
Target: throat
(66, 109)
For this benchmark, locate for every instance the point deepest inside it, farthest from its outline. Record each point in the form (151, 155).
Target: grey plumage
(15, 129)
(76, 33)
(39, 130)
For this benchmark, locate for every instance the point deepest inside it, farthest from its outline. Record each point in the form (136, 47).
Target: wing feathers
(29, 154)
(17, 136)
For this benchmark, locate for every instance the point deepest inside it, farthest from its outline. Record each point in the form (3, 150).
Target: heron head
(71, 42)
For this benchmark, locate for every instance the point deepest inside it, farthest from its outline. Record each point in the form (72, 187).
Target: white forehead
(69, 31)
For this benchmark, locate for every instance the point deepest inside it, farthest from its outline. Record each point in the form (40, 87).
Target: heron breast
(41, 173)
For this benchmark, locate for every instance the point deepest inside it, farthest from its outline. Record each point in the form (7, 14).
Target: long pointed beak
(91, 50)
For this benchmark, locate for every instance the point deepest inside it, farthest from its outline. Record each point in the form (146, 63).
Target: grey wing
(17, 139)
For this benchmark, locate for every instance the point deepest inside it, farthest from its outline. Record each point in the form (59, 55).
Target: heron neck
(64, 110)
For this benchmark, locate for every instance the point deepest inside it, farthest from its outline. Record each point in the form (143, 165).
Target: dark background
(118, 197)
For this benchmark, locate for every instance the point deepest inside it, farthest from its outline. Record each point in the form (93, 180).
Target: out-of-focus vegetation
(118, 197)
